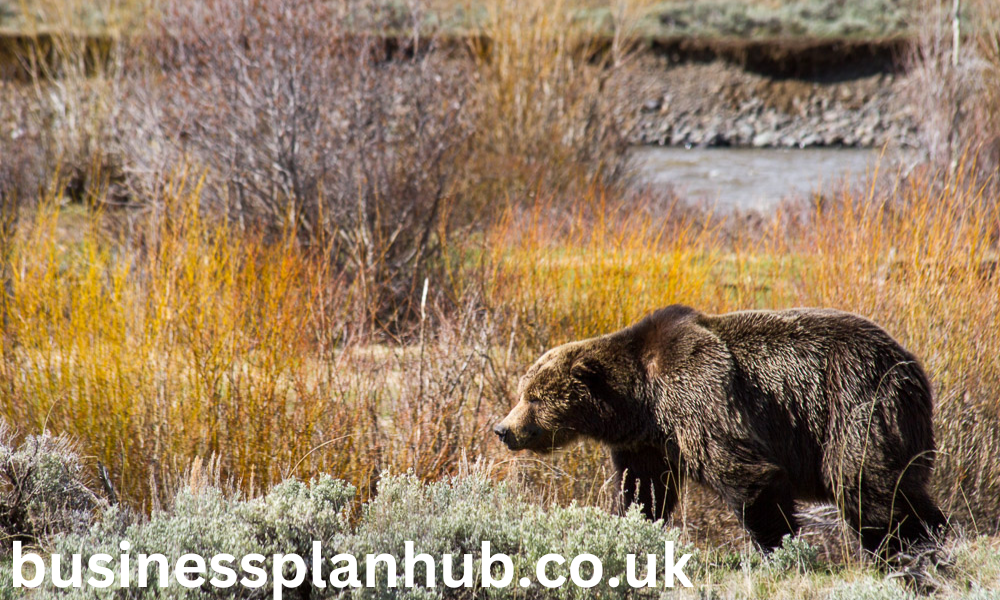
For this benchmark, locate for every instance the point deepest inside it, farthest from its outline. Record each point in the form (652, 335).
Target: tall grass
(172, 353)
(197, 342)
(552, 106)
(596, 264)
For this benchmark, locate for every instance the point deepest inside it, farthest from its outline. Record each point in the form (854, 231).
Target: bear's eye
(533, 400)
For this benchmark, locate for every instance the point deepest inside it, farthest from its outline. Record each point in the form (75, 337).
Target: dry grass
(162, 356)
(600, 264)
(115, 16)
(957, 89)
(197, 343)
(551, 106)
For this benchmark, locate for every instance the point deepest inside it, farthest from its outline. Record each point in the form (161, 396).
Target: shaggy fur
(764, 407)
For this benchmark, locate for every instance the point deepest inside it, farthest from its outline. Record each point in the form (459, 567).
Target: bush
(7, 574)
(796, 555)
(42, 488)
(347, 125)
(456, 515)
(442, 517)
(309, 121)
(445, 517)
(204, 521)
(870, 589)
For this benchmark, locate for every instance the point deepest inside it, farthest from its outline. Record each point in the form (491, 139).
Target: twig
(109, 488)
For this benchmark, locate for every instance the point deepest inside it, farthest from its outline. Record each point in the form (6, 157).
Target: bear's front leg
(761, 495)
(645, 477)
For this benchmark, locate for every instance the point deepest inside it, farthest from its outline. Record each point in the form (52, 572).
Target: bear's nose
(501, 430)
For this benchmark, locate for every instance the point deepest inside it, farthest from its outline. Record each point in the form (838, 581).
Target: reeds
(197, 342)
(193, 346)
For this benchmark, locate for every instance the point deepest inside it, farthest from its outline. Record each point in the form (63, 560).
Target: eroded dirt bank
(693, 92)
(722, 104)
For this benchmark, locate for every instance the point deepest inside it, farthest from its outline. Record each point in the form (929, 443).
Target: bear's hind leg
(932, 522)
(892, 523)
(645, 477)
(763, 499)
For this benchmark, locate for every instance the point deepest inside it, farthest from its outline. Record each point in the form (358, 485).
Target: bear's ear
(588, 370)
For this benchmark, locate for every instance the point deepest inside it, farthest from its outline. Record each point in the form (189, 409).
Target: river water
(752, 178)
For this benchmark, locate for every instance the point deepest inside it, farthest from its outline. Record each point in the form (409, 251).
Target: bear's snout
(519, 439)
(502, 432)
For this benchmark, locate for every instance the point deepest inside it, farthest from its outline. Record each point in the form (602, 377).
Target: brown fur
(764, 407)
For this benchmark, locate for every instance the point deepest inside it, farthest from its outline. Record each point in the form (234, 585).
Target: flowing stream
(753, 178)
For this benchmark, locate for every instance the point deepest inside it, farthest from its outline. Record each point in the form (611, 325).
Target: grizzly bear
(764, 407)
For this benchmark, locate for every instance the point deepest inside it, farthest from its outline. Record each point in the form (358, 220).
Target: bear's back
(798, 378)
(822, 360)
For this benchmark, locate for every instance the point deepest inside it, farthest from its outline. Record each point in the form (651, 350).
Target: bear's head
(572, 391)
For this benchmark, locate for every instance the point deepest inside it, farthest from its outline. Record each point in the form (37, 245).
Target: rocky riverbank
(722, 104)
